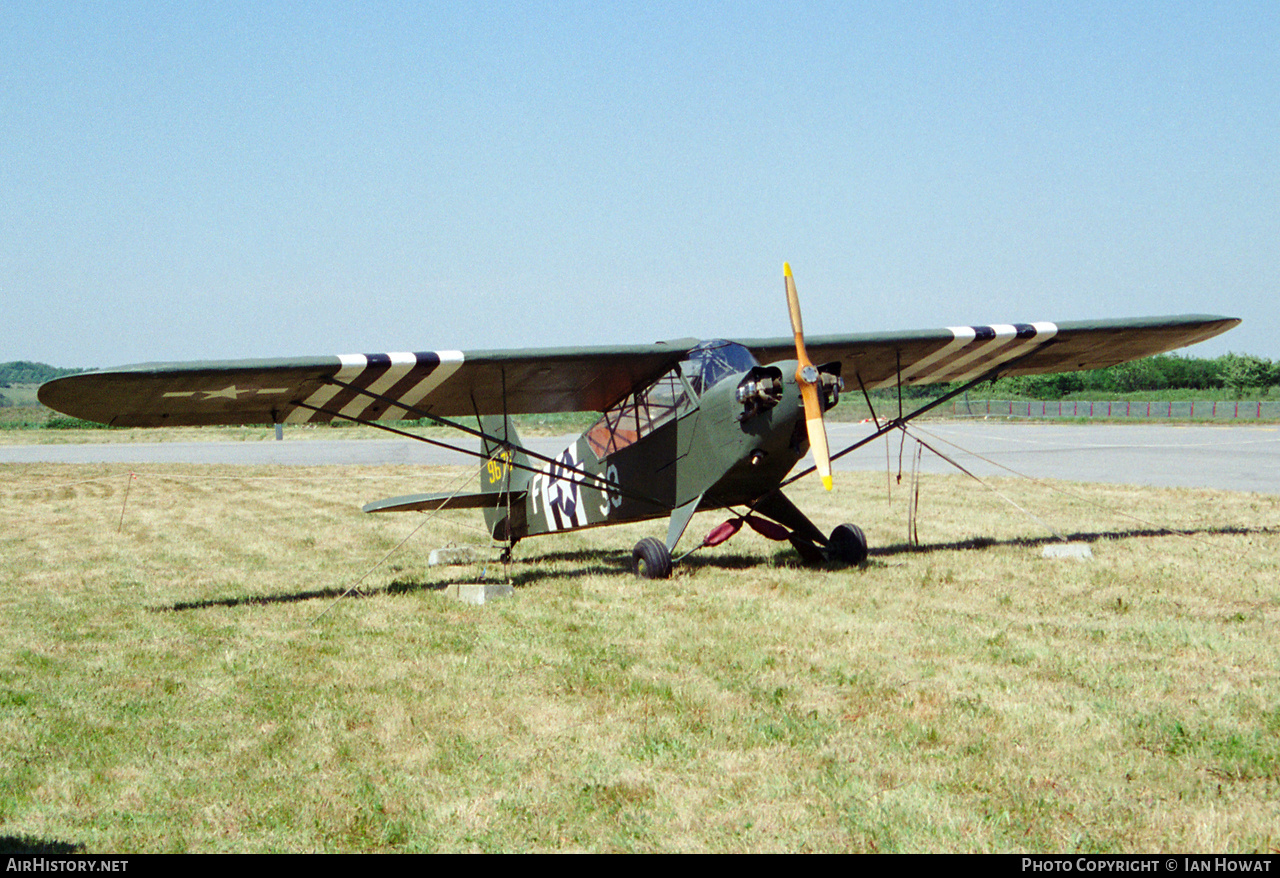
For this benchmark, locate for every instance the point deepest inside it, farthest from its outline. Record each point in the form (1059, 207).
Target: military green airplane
(685, 425)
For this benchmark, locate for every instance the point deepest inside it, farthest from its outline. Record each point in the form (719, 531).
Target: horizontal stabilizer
(432, 502)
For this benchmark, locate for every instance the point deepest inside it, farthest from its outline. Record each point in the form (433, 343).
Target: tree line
(26, 372)
(1238, 375)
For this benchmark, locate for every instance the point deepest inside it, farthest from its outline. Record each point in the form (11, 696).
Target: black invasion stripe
(409, 376)
(405, 389)
(991, 342)
(1025, 338)
(377, 365)
(943, 366)
(427, 363)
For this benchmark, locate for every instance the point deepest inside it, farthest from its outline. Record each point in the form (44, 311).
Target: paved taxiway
(1236, 458)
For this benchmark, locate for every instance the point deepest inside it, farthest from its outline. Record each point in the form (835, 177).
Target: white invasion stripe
(961, 336)
(1004, 333)
(450, 362)
(401, 363)
(352, 366)
(1044, 332)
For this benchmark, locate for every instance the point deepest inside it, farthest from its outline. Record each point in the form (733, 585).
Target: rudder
(505, 470)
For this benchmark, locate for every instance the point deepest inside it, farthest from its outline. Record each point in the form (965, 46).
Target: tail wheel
(847, 545)
(650, 559)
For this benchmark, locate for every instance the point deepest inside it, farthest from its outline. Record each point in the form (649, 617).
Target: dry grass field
(183, 677)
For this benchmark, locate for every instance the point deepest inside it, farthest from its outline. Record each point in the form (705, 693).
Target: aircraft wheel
(651, 560)
(847, 545)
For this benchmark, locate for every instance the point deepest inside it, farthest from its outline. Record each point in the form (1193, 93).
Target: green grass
(172, 684)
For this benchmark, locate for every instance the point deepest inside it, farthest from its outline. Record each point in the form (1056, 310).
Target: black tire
(848, 545)
(651, 560)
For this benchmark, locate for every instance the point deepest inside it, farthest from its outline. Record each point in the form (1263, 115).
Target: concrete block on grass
(1078, 551)
(478, 592)
(451, 555)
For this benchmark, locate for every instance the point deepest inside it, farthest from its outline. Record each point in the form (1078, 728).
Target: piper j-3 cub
(684, 426)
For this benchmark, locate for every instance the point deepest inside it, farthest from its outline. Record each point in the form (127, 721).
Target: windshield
(712, 361)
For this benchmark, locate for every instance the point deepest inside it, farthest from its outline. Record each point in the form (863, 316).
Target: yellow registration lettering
(497, 466)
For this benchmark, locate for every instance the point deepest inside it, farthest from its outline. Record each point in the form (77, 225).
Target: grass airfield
(178, 673)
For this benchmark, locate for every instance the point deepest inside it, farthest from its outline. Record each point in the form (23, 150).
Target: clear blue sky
(187, 180)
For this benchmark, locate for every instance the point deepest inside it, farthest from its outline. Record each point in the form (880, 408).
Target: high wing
(369, 387)
(398, 386)
(962, 353)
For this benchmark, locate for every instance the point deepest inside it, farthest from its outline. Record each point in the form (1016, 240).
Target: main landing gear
(651, 560)
(847, 545)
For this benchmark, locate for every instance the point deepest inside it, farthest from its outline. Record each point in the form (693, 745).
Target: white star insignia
(231, 392)
(227, 393)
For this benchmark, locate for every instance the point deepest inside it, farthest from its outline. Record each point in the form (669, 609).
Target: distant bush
(26, 372)
(65, 422)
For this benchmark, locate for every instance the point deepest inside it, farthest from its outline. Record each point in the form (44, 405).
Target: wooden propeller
(808, 379)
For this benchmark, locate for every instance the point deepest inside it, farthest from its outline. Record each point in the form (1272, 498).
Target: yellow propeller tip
(826, 482)
(786, 269)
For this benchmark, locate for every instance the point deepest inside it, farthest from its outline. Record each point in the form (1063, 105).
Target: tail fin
(504, 471)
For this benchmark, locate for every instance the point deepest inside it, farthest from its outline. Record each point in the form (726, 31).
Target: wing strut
(902, 420)
(590, 481)
(587, 481)
(506, 483)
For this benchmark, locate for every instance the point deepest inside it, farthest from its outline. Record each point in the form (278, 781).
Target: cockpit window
(711, 361)
(639, 415)
(667, 398)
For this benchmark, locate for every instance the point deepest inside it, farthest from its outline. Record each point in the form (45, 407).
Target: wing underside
(365, 387)
(405, 386)
(962, 353)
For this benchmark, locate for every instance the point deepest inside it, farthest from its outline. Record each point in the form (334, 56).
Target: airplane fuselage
(707, 447)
